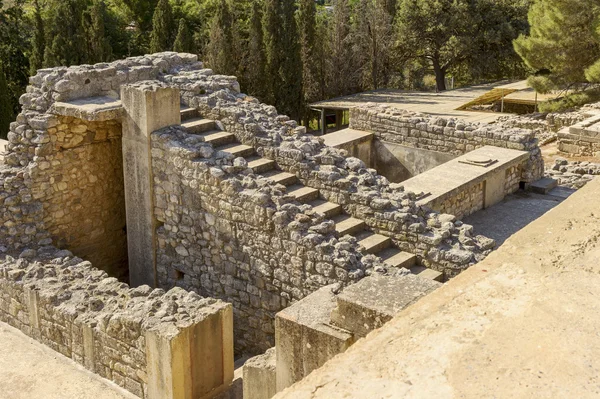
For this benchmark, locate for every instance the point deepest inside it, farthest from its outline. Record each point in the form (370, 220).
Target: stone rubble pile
(573, 174)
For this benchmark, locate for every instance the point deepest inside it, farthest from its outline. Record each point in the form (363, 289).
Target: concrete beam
(147, 108)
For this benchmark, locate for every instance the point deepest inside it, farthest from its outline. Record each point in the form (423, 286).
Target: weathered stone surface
(260, 377)
(375, 300)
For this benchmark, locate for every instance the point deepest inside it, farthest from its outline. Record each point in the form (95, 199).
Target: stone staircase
(372, 243)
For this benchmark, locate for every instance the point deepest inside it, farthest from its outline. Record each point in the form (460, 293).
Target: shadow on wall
(399, 163)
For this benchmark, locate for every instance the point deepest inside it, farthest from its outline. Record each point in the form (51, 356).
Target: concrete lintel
(95, 109)
(375, 300)
(347, 137)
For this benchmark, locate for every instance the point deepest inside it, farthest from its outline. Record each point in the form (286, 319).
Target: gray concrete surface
(512, 214)
(29, 370)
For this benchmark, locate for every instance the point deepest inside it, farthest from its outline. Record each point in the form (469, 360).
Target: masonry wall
(228, 234)
(448, 136)
(81, 183)
(100, 323)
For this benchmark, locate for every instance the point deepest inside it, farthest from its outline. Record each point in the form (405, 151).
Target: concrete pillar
(148, 107)
(194, 362)
(259, 376)
(323, 121)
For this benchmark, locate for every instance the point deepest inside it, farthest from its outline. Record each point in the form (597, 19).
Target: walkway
(29, 370)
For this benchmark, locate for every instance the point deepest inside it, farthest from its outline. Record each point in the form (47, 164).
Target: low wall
(447, 136)
(581, 139)
(131, 336)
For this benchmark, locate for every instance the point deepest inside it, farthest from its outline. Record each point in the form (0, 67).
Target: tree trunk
(440, 76)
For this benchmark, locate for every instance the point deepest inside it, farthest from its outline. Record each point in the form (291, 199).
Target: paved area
(512, 214)
(29, 370)
(524, 323)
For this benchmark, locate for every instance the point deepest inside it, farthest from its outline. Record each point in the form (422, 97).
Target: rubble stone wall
(446, 135)
(81, 184)
(82, 313)
(229, 234)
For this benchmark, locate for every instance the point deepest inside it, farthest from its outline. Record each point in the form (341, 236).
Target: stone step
(372, 242)
(543, 186)
(287, 179)
(188, 113)
(199, 125)
(345, 224)
(303, 194)
(329, 209)
(236, 149)
(429, 274)
(397, 258)
(218, 138)
(260, 165)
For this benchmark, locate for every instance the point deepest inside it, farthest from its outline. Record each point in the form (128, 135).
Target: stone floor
(29, 370)
(514, 213)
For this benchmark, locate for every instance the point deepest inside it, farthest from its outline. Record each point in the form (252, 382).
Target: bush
(571, 101)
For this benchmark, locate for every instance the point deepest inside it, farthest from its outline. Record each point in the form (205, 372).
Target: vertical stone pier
(148, 106)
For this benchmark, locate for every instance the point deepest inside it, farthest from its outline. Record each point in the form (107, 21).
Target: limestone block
(260, 377)
(375, 300)
(193, 362)
(305, 339)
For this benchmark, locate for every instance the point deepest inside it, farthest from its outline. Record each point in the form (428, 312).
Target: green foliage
(341, 74)
(183, 41)
(307, 35)
(289, 96)
(6, 107)
(13, 49)
(571, 101)
(220, 52)
(563, 40)
(66, 34)
(256, 59)
(38, 43)
(161, 37)
(271, 30)
(99, 48)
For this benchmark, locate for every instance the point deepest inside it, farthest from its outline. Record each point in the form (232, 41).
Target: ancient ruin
(157, 224)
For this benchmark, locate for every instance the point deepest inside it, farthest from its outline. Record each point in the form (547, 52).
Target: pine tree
(256, 72)
(183, 41)
(307, 34)
(219, 53)
(39, 40)
(99, 47)
(6, 108)
(271, 34)
(563, 41)
(290, 98)
(161, 37)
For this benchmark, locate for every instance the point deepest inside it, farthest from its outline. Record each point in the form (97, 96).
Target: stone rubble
(573, 174)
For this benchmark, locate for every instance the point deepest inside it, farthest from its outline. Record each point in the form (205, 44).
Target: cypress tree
(341, 74)
(307, 32)
(256, 61)
(6, 110)
(98, 44)
(183, 41)
(220, 54)
(162, 27)
(39, 40)
(66, 34)
(271, 33)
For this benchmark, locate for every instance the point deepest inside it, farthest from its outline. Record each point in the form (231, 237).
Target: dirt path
(29, 370)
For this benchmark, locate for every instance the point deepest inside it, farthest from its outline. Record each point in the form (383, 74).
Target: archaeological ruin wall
(437, 135)
(126, 335)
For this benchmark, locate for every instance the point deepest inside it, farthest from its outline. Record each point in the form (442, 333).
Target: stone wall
(99, 322)
(450, 136)
(228, 234)
(80, 181)
(462, 204)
